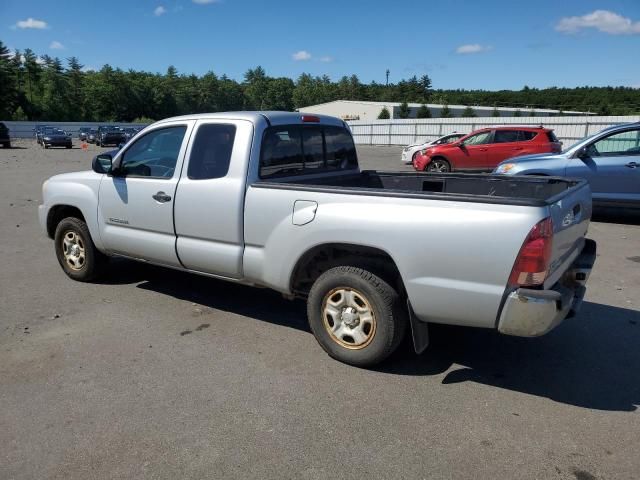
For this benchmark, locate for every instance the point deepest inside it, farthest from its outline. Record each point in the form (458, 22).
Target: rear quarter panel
(454, 257)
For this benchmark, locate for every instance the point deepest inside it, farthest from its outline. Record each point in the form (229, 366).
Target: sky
(489, 44)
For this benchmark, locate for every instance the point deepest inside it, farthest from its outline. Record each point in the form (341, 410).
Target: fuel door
(304, 211)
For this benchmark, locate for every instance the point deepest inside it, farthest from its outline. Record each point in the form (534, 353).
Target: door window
(621, 143)
(478, 139)
(155, 154)
(211, 151)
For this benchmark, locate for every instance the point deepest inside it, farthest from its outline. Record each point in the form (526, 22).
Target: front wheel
(356, 316)
(76, 252)
(438, 165)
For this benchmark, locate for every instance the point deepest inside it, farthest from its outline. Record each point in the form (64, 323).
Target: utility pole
(388, 77)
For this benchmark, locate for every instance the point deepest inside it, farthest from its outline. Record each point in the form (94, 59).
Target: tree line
(36, 87)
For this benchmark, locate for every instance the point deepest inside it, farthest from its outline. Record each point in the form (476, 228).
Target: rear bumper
(531, 313)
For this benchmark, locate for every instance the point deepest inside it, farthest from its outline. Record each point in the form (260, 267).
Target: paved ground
(155, 374)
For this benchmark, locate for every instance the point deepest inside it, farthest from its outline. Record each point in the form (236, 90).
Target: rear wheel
(76, 252)
(356, 316)
(6, 145)
(439, 165)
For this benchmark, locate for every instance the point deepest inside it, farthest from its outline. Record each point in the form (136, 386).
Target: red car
(484, 149)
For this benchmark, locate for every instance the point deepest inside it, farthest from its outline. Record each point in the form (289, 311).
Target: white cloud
(55, 45)
(326, 59)
(205, 2)
(160, 10)
(603, 20)
(472, 48)
(31, 23)
(301, 55)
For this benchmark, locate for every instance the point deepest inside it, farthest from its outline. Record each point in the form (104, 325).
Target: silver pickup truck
(277, 200)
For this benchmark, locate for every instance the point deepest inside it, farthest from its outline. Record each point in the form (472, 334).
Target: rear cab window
(211, 152)
(305, 149)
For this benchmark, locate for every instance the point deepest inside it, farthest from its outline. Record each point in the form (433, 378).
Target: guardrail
(405, 132)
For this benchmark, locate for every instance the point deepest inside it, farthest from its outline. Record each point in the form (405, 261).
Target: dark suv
(4, 136)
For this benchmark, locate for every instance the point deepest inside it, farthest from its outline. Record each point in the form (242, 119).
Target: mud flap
(419, 331)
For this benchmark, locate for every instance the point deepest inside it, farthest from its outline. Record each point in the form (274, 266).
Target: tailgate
(571, 213)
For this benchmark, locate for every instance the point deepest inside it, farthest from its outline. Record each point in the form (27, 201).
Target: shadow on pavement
(259, 303)
(616, 215)
(591, 361)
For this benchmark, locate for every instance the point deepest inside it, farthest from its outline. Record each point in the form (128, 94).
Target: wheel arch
(320, 258)
(443, 157)
(58, 212)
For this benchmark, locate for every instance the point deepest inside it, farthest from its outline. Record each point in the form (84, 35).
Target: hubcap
(73, 250)
(348, 318)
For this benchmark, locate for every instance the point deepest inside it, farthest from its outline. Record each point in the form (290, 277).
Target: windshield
(579, 142)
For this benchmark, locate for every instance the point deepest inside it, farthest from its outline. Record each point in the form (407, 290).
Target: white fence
(404, 132)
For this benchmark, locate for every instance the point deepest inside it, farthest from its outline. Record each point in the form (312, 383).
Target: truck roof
(272, 117)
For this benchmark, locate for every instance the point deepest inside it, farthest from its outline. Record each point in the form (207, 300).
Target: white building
(364, 110)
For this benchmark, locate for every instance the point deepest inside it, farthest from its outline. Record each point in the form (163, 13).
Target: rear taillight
(532, 264)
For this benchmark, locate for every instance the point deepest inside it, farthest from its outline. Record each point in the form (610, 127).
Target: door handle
(161, 197)
(517, 148)
(632, 165)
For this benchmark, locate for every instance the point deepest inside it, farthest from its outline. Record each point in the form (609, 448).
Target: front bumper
(57, 143)
(531, 313)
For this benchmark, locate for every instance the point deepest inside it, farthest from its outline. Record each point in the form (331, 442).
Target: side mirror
(102, 163)
(582, 152)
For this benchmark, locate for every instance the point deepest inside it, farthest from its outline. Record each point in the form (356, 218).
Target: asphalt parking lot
(158, 374)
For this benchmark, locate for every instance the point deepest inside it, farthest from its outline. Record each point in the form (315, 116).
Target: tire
(6, 145)
(373, 307)
(438, 165)
(44, 145)
(74, 246)
(68, 146)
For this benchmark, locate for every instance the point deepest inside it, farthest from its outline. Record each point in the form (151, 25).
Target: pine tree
(423, 112)
(468, 112)
(517, 113)
(495, 112)
(384, 114)
(445, 111)
(404, 111)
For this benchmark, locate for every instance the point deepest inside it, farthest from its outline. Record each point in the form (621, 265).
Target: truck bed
(534, 191)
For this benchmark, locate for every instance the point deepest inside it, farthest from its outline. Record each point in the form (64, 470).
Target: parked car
(83, 132)
(609, 160)
(300, 217)
(129, 132)
(55, 137)
(484, 149)
(110, 135)
(410, 152)
(39, 132)
(91, 136)
(5, 139)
